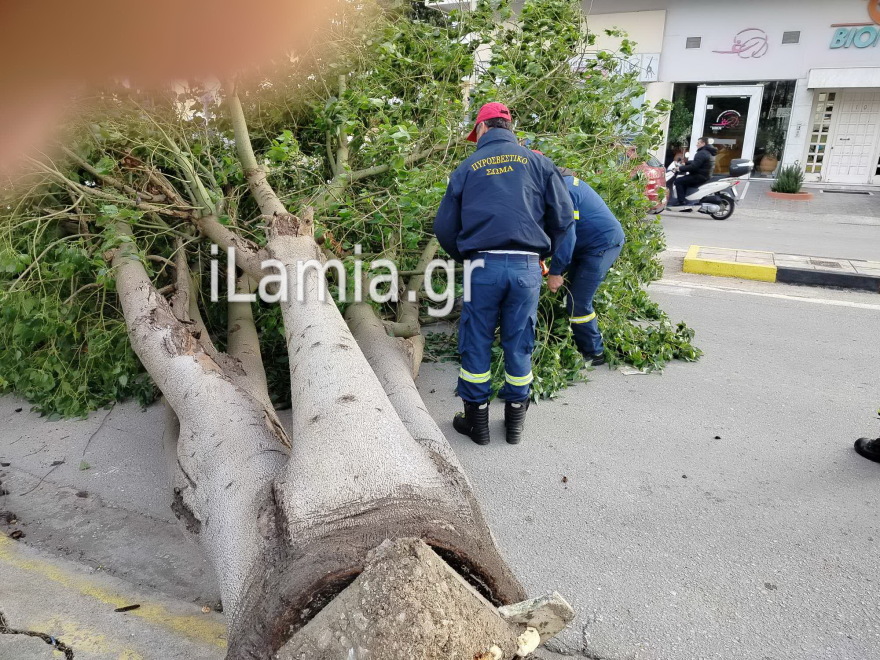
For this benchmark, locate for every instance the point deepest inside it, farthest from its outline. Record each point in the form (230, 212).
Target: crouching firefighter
(586, 254)
(507, 207)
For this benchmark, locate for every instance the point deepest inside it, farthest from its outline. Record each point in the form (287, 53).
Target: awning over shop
(866, 76)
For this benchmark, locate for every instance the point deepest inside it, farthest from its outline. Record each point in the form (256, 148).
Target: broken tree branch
(243, 342)
(269, 203)
(248, 255)
(230, 447)
(407, 324)
(106, 178)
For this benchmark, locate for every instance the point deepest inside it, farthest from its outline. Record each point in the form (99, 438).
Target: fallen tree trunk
(229, 448)
(356, 476)
(290, 530)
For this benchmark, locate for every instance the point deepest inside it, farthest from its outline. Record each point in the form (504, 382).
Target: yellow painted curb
(693, 264)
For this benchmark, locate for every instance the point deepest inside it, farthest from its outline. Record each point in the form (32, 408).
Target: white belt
(534, 254)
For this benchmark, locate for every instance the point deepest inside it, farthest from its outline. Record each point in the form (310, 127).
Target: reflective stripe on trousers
(474, 378)
(583, 319)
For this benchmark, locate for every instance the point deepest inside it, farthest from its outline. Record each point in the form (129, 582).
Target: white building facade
(780, 81)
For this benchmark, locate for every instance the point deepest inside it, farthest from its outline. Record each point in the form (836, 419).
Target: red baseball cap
(489, 111)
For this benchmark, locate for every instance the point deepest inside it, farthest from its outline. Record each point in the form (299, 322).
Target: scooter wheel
(727, 204)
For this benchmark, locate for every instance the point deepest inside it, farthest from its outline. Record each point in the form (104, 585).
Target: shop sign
(646, 65)
(748, 43)
(859, 35)
(729, 119)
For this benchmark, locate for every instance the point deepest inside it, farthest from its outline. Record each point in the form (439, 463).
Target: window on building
(693, 42)
(773, 123)
(819, 135)
(793, 37)
(773, 126)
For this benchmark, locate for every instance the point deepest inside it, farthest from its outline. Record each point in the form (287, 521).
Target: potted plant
(772, 140)
(680, 123)
(788, 184)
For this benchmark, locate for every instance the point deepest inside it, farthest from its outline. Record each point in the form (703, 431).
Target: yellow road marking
(200, 629)
(82, 639)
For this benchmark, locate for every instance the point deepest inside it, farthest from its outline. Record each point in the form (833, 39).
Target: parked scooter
(719, 195)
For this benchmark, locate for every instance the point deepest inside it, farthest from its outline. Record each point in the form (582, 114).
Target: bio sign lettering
(859, 35)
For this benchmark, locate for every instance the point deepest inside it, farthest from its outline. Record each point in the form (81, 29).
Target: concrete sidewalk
(835, 224)
(78, 608)
(786, 268)
(827, 198)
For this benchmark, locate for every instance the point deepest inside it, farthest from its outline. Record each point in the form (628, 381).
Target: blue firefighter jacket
(503, 197)
(595, 227)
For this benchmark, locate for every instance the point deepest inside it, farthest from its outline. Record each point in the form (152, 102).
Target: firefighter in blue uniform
(586, 255)
(508, 207)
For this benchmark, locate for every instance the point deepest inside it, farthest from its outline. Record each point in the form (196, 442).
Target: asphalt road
(716, 511)
(832, 225)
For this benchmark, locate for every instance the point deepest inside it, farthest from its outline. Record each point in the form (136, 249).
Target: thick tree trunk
(229, 448)
(356, 477)
(288, 531)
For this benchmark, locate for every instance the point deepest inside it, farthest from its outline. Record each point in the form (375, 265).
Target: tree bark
(229, 449)
(285, 531)
(248, 255)
(243, 342)
(259, 186)
(356, 477)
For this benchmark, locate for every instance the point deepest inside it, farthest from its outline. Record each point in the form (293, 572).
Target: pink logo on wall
(748, 43)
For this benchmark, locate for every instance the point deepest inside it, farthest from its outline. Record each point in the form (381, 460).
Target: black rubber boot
(868, 448)
(596, 359)
(473, 422)
(514, 420)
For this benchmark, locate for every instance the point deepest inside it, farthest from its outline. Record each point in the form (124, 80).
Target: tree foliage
(366, 129)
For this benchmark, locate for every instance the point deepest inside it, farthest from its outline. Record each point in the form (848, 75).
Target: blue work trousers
(504, 290)
(585, 274)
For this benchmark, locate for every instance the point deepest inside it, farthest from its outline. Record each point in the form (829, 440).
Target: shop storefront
(771, 80)
(743, 119)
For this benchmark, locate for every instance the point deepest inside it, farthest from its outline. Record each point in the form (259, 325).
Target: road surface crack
(58, 645)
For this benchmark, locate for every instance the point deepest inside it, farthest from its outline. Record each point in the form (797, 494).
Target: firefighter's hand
(554, 282)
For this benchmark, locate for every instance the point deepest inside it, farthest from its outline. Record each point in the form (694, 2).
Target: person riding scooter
(697, 172)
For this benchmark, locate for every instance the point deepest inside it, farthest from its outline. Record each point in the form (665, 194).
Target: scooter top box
(741, 166)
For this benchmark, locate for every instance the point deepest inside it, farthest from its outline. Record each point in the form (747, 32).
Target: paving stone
(724, 255)
(794, 258)
(756, 259)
